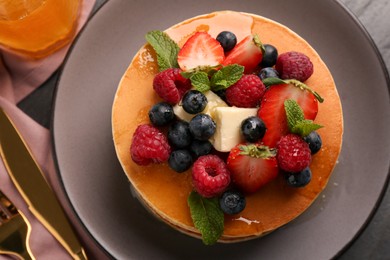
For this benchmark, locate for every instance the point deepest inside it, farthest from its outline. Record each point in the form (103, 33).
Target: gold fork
(14, 230)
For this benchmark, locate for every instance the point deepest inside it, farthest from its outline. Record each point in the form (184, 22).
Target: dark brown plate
(99, 190)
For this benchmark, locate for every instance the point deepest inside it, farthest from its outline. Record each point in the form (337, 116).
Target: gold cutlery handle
(14, 231)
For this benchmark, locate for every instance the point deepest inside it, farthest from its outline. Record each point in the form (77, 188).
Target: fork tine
(14, 230)
(7, 209)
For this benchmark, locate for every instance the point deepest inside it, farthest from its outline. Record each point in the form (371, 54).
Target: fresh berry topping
(221, 93)
(248, 53)
(180, 160)
(272, 110)
(232, 202)
(270, 56)
(194, 101)
(247, 92)
(170, 85)
(149, 145)
(293, 153)
(200, 50)
(268, 73)
(294, 65)
(252, 166)
(210, 176)
(161, 114)
(179, 135)
(298, 179)
(315, 142)
(199, 148)
(227, 40)
(202, 127)
(253, 129)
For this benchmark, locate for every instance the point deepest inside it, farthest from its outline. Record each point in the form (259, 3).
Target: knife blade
(34, 188)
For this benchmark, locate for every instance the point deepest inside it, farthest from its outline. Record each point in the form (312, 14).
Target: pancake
(165, 192)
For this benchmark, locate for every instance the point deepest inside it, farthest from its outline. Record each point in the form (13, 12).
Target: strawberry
(273, 113)
(252, 166)
(248, 53)
(200, 50)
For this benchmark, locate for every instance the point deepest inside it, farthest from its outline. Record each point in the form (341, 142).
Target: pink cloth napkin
(18, 78)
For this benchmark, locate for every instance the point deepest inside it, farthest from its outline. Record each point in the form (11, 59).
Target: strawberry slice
(273, 113)
(200, 50)
(248, 53)
(252, 166)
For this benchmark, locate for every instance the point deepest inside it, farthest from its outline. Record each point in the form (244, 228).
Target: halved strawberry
(273, 113)
(248, 53)
(200, 50)
(252, 166)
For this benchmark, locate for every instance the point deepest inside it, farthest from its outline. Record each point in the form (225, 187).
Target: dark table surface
(374, 241)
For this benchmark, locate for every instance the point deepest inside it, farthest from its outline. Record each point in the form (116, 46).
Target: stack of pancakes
(165, 192)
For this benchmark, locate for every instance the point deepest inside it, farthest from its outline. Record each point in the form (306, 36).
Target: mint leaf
(207, 217)
(296, 121)
(305, 127)
(294, 113)
(165, 48)
(273, 81)
(226, 76)
(187, 74)
(200, 81)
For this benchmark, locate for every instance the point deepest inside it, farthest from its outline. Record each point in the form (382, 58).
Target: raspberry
(149, 145)
(210, 176)
(294, 65)
(294, 153)
(170, 85)
(247, 92)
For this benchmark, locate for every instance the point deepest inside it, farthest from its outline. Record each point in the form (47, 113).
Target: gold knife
(31, 183)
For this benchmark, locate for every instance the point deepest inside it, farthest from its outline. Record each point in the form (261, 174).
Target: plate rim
(92, 17)
(387, 78)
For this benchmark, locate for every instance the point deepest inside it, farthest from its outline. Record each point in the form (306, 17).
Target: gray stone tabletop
(374, 240)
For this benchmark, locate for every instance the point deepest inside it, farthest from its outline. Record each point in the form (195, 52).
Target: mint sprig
(305, 127)
(206, 78)
(200, 80)
(296, 121)
(226, 76)
(165, 48)
(276, 81)
(207, 216)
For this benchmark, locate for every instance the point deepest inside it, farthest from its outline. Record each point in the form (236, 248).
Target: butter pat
(228, 120)
(213, 101)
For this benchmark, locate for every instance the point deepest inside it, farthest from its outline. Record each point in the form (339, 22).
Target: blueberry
(161, 114)
(269, 56)
(268, 73)
(199, 148)
(221, 93)
(227, 40)
(299, 179)
(314, 141)
(194, 102)
(180, 160)
(253, 129)
(179, 135)
(202, 127)
(232, 202)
